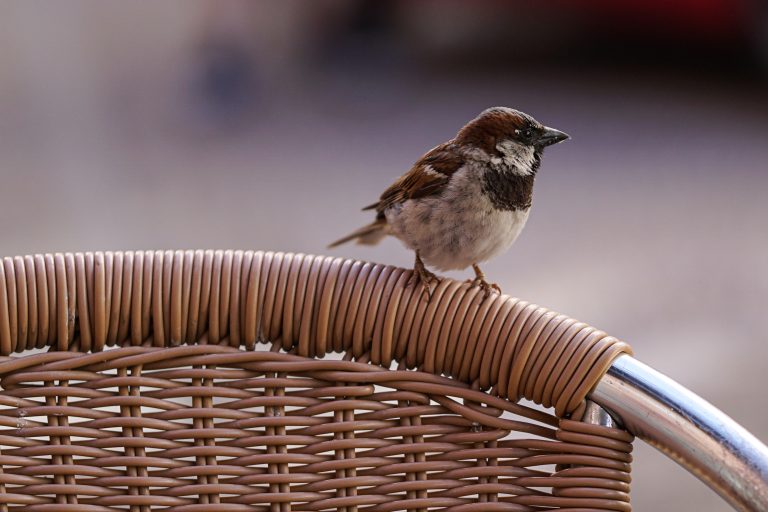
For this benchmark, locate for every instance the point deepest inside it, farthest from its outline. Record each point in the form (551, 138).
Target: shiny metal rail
(688, 429)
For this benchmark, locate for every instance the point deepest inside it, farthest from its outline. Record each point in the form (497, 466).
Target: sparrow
(466, 200)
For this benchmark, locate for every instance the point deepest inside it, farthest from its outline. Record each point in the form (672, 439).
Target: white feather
(459, 227)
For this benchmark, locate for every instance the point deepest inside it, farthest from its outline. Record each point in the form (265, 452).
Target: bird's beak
(551, 136)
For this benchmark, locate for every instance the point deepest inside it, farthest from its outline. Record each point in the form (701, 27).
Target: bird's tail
(366, 235)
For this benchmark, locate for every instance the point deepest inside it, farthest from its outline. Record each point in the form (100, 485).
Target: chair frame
(688, 429)
(311, 305)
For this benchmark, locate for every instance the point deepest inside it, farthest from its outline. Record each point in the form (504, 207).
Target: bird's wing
(428, 176)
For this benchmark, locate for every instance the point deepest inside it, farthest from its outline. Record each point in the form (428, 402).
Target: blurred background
(267, 125)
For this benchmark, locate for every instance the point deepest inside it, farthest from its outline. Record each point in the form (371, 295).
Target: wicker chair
(218, 397)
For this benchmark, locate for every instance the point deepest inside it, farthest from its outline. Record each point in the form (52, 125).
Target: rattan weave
(218, 399)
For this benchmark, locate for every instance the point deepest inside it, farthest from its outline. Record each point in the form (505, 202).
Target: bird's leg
(480, 281)
(423, 276)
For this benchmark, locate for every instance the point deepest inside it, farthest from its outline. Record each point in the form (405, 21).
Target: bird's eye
(525, 133)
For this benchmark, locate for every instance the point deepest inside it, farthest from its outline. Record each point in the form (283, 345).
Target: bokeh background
(266, 125)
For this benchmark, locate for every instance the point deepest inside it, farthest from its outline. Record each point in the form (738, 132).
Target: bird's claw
(426, 279)
(484, 285)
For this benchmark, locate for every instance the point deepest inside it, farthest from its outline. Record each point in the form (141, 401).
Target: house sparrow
(467, 199)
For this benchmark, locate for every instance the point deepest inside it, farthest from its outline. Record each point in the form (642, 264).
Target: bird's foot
(425, 278)
(485, 285)
(480, 281)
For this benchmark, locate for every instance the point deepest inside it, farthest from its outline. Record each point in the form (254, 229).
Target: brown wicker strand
(312, 304)
(214, 427)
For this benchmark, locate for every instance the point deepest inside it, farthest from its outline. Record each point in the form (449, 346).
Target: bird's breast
(460, 227)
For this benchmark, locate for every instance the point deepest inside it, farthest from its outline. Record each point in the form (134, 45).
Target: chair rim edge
(688, 429)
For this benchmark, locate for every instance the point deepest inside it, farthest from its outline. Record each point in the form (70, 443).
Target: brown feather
(368, 235)
(493, 124)
(429, 175)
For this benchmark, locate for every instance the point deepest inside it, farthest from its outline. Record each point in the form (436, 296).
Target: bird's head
(509, 138)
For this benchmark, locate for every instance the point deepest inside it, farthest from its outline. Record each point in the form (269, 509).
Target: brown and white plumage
(467, 199)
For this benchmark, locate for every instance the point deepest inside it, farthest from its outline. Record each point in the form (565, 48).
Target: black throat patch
(510, 191)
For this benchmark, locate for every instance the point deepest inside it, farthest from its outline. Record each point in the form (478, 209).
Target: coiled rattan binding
(217, 399)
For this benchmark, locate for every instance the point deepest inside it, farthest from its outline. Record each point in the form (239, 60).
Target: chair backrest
(217, 398)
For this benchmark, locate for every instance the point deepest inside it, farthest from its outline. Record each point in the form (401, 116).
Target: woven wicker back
(216, 399)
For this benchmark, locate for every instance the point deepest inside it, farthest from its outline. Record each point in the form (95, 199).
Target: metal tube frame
(688, 429)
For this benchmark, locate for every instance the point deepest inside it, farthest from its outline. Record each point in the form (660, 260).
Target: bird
(465, 200)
